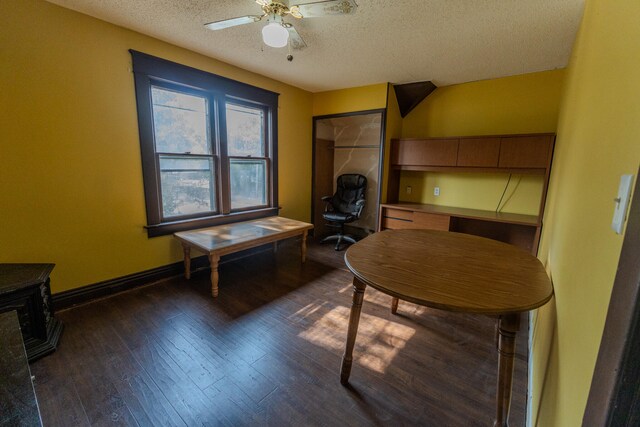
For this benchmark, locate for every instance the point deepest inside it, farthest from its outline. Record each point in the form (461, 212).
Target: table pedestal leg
(508, 326)
(187, 261)
(354, 319)
(213, 260)
(303, 248)
(394, 305)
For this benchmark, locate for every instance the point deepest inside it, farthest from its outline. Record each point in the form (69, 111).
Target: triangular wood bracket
(409, 95)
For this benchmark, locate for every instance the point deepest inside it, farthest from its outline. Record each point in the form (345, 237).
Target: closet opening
(349, 143)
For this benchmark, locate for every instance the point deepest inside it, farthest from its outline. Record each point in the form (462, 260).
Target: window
(247, 159)
(208, 147)
(184, 153)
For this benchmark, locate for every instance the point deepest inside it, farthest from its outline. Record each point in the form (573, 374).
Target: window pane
(248, 183)
(187, 186)
(180, 122)
(245, 131)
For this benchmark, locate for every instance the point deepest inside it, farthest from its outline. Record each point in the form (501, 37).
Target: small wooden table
(454, 272)
(229, 238)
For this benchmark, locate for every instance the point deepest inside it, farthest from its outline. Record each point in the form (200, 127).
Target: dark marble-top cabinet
(18, 404)
(26, 289)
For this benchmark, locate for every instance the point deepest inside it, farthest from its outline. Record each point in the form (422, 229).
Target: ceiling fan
(277, 33)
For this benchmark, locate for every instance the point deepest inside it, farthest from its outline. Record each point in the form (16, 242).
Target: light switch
(622, 201)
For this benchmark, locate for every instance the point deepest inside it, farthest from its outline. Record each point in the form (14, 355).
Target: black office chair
(345, 206)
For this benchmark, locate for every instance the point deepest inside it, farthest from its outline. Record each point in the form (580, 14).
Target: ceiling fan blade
(324, 8)
(295, 40)
(220, 25)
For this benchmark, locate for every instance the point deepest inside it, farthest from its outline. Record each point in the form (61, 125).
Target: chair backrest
(351, 187)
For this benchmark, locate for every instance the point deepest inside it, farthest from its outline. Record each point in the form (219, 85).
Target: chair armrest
(359, 206)
(328, 207)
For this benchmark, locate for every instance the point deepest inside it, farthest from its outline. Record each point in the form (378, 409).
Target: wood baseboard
(84, 294)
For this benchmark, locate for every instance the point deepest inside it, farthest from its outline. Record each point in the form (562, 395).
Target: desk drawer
(396, 224)
(397, 214)
(430, 221)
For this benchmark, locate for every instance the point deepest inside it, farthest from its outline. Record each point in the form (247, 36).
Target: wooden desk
(520, 230)
(229, 238)
(454, 272)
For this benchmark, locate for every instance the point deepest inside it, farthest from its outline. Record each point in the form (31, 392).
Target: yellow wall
(70, 168)
(527, 103)
(475, 191)
(393, 130)
(598, 140)
(349, 100)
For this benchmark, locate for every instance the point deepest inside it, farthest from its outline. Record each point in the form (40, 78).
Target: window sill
(166, 228)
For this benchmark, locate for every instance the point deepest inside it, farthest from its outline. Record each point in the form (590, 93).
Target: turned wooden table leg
(354, 319)
(303, 247)
(394, 305)
(187, 260)
(213, 260)
(508, 326)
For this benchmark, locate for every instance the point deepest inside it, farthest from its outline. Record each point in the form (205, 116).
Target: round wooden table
(454, 272)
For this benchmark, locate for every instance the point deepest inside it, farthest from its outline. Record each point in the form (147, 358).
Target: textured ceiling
(399, 41)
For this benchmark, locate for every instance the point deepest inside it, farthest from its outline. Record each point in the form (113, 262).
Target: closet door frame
(383, 132)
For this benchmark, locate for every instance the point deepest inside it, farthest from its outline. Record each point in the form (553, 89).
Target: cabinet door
(525, 151)
(425, 152)
(479, 152)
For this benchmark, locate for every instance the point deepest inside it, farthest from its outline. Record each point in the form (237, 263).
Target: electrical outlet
(436, 191)
(408, 189)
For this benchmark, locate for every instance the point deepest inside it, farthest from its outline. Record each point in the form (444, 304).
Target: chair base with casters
(339, 238)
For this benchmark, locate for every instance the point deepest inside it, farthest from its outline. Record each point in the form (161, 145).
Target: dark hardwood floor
(267, 351)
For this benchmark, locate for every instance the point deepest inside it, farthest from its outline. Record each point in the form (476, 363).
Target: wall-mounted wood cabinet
(501, 153)
(533, 151)
(521, 154)
(428, 152)
(478, 152)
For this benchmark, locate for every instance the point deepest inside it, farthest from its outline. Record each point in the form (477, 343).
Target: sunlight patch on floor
(377, 343)
(374, 296)
(306, 311)
(345, 288)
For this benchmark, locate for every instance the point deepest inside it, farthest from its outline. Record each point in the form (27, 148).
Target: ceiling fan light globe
(275, 35)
